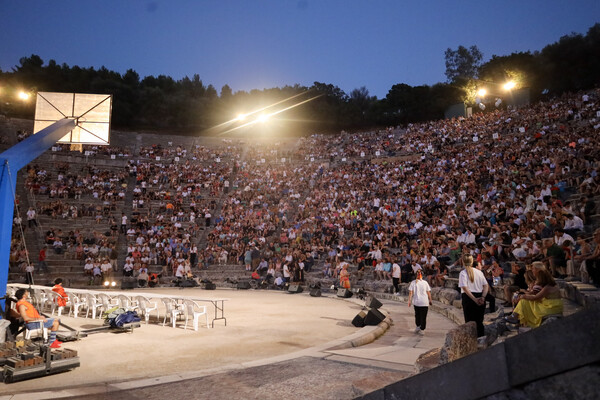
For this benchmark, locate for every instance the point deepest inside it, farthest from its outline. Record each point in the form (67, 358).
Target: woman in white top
(474, 288)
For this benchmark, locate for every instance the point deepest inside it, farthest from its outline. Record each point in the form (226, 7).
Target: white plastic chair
(127, 303)
(107, 302)
(192, 309)
(39, 297)
(146, 307)
(76, 304)
(41, 331)
(172, 310)
(93, 304)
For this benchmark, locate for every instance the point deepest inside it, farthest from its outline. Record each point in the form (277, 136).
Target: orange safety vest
(30, 311)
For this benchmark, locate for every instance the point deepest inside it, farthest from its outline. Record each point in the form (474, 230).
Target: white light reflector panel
(92, 111)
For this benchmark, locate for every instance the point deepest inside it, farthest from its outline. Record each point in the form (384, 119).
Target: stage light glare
(23, 96)
(241, 117)
(262, 118)
(113, 284)
(509, 85)
(481, 92)
(106, 283)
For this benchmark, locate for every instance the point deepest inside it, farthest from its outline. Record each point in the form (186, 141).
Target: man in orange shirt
(31, 317)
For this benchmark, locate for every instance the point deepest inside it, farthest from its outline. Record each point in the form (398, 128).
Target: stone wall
(558, 360)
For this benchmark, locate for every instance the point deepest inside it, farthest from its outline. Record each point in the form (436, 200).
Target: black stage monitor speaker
(210, 286)
(243, 285)
(374, 317)
(372, 302)
(345, 293)
(128, 283)
(295, 288)
(315, 292)
(359, 320)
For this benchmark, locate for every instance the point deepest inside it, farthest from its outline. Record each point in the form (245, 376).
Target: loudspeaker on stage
(295, 288)
(374, 317)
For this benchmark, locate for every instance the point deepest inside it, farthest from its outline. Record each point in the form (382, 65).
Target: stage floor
(260, 324)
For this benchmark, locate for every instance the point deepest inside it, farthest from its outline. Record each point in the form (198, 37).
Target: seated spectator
(593, 260)
(57, 245)
(97, 273)
(518, 283)
(128, 268)
(361, 268)
(88, 267)
(583, 251)
(532, 287)
(58, 289)
(532, 308)
(143, 278)
(106, 268)
(327, 269)
(573, 225)
(153, 280)
(556, 258)
(31, 317)
(442, 275)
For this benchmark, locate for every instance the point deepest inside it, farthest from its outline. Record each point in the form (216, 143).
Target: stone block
(536, 354)
(472, 377)
(494, 330)
(459, 343)
(448, 296)
(428, 360)
(582, 383)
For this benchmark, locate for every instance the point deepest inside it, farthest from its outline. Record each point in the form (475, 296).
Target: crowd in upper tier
(510, 185)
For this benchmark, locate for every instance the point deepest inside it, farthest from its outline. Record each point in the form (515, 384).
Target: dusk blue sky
(263, 44)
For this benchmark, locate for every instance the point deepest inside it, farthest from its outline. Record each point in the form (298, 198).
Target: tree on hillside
(462, 64)
(226, 92)
(573, 62)
(522, 68)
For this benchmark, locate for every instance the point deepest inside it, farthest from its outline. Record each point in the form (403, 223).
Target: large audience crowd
(509, 187)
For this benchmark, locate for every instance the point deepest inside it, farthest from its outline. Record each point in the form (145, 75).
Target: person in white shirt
(106, 268)
(473, 288)
(31, 221)
(88, 267)
(286, 273)
(416, 267)
(180, 272)
(573, 224)
(128, 268)
(419, 295)
(396, 274)
(560, 237)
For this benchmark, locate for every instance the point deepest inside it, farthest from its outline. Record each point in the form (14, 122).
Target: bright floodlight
(113, 284)
(509, 85)
(481, 92)
(23, 96)
(262, 118)
(106, 283)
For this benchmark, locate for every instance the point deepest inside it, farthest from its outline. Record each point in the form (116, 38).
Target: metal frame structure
(11, 161)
